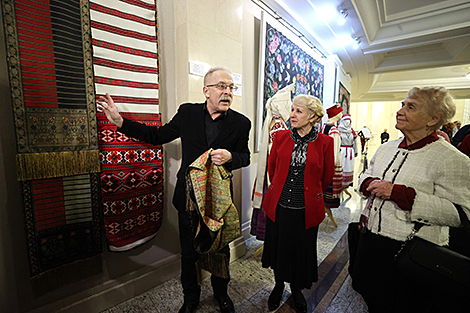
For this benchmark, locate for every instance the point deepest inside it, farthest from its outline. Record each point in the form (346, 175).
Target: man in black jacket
(200, 126)
(384, 136)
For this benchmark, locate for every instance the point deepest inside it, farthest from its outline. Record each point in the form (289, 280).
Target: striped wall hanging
(125, 61)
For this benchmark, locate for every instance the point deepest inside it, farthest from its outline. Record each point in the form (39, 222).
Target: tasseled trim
(215, 263)
(57, 164)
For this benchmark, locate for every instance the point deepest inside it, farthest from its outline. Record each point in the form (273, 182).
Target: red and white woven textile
(125, 63)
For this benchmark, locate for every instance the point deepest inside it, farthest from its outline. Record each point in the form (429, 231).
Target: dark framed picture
(344, 98)
(285, 59)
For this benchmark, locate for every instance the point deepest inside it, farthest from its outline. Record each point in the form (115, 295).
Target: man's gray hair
(215, 69)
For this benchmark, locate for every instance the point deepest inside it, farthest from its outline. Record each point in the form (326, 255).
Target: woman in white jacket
(416, 178)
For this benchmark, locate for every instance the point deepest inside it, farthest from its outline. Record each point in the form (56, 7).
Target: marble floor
(251, 284)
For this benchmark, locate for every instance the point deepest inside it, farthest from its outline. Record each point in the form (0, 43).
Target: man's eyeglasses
(223, 86)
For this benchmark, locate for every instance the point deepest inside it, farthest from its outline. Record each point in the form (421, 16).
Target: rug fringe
(57, 164)
(215, 263)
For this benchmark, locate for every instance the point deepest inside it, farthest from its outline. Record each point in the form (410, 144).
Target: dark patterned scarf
(299, 154)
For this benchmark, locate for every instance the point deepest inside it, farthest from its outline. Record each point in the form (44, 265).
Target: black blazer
(189, 125)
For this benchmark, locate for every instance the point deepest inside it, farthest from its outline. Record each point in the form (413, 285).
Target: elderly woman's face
(412, 116)
(299, 117)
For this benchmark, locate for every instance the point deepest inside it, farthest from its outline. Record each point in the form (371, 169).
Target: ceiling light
(468, 75)
(344, 40)
(342, 19)
(357, 42)
(326, 13)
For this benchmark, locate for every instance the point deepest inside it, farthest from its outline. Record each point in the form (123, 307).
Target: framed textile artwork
(60, 54)
(51, 80)
(52, 89)
(344, 98)
(285, 59)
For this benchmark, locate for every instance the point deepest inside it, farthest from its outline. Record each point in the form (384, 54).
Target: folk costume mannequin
(333, 192)
(348, 150)
(277, 113)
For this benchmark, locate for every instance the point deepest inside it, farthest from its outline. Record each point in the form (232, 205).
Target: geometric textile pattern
(125, 57)
(62, 220)
(210, 186)
(51, 75)
(331, 196)
(131, 184)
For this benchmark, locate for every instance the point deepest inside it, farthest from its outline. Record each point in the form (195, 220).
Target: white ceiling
(404, 43)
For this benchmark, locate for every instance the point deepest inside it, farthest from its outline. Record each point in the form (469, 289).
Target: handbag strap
(417, 226)
(414, 230)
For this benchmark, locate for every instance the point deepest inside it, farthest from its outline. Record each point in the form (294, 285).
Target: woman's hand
(381, 189)
(107, 106)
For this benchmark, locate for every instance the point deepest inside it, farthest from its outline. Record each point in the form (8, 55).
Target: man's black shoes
(188, 307)
(225, 303)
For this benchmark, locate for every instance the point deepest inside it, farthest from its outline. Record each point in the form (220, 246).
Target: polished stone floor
(251, 284)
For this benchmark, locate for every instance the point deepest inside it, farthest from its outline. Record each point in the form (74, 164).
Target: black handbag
(353, 242)
(427, 264)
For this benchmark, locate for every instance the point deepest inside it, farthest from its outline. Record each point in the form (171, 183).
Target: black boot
(225, 303)
(220, 286)
(188, 307)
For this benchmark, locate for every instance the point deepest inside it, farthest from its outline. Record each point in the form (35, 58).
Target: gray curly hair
(438, 101)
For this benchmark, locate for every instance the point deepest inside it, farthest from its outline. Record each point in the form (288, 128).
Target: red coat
(319, 171)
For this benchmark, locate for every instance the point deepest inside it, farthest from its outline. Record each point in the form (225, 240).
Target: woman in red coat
(300, 168)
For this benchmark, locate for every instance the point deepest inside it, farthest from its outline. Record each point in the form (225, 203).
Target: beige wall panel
(220, 16)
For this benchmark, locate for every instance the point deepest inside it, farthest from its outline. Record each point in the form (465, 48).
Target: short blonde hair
(312, 104)
(438, 101)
